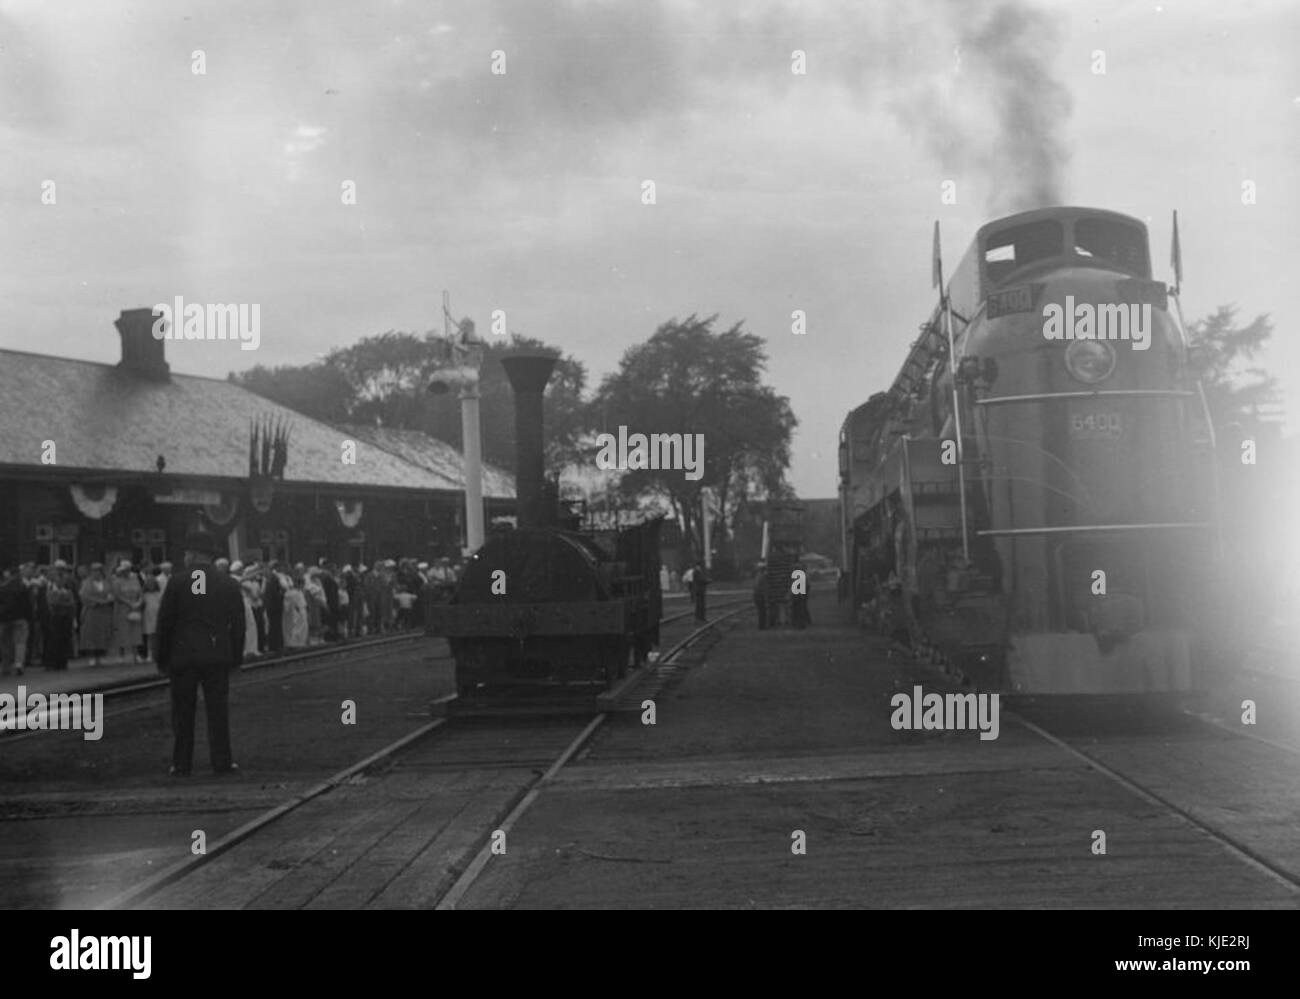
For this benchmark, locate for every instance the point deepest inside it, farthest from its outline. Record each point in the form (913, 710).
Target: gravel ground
(82, 819)
(780, 733)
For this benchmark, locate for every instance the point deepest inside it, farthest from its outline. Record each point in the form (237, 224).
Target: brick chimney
(141, 353)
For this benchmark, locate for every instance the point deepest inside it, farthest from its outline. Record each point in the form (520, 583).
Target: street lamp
(463, 359)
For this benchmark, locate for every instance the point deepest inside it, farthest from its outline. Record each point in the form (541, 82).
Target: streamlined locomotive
(1033, 499)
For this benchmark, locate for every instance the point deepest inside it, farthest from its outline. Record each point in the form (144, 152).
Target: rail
(181, 869)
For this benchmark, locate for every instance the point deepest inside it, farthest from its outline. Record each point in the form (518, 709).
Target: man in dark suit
(330, 585)
(698, 583)
(200, 643)
(273, 604)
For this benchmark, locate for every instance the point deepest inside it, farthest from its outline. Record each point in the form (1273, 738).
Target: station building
(100, 462)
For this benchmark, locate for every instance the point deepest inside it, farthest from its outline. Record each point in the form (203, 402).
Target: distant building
(100, 461)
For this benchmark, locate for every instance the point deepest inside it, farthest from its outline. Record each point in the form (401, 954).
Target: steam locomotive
(1030, 501)
(545, 604)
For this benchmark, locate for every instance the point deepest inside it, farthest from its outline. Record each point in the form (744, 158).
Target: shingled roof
(431, 454)
(105, 418)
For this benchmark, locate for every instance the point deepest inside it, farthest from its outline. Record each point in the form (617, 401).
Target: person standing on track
(696, 579)
(201, 626)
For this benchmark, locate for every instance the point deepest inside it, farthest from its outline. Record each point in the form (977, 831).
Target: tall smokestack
(528, 373)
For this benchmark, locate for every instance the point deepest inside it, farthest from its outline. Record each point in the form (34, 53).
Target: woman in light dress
(295, 616)
(128, 613)
(251, 590)
(96, 614)
(315, 594)
(152, 601)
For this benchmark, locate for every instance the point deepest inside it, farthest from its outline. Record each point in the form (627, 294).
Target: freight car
(545, 605)
(1039, 509)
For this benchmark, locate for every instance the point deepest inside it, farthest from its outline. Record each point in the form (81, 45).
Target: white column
(473, 459)
(235, 540)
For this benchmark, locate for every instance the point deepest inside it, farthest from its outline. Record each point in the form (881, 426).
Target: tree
(385, 379)
(688, 379)
(1217, 348)
(318, 390)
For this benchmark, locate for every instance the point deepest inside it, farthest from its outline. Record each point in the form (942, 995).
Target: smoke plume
(997, 117)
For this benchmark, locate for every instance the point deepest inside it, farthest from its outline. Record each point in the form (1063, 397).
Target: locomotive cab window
(1011, 249)
(1114, 243)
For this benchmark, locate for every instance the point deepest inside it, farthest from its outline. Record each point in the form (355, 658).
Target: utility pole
(707, 530)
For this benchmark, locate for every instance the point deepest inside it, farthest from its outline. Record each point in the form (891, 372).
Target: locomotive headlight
(1090, 361)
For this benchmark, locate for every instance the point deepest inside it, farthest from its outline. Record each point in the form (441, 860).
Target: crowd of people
(52, 614)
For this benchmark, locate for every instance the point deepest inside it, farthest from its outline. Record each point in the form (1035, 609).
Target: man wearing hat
(372, 585)
(358, 606)
(330, 584)
(61, 599)
(273, 604)
(37, 578)
(15, 613)
(201, 628)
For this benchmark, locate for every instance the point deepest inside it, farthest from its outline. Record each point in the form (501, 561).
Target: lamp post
(463, 360)
(705, 513)
(473, 448)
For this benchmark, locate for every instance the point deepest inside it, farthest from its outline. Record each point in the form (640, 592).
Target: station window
(1116, 243)
(148, 554)
(1011, 249)
(49, 552)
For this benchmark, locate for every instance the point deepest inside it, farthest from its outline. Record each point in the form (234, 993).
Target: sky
(522, 190)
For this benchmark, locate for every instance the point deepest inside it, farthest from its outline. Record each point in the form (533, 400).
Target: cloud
(30, 96)
(302, 142)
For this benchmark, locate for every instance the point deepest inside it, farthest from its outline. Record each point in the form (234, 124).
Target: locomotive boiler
(1033, 498)
(544, 604)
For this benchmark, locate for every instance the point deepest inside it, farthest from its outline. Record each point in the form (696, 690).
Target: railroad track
(346, 651)
(1146, 788)
(175, 877)
(685, 614)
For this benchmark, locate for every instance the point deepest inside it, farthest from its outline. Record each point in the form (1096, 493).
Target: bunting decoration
(94, 501)
(224, 511)
(349, 512)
